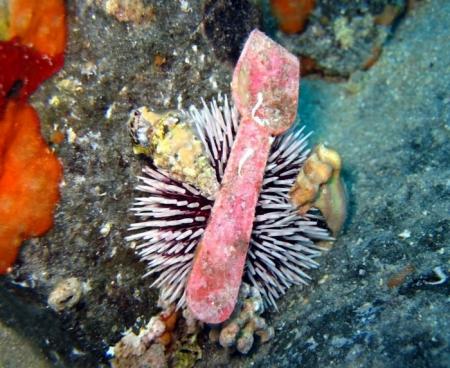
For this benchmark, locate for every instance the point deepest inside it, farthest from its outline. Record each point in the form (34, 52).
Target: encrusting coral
(245, 322)
(148, 346)
(319, 185)
(174, 147)
(32, 41)
(168, 339)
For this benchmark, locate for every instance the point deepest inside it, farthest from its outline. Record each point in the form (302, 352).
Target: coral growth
(244, 323)
(33, 37)
(22, 70)
(149, 345)
(341, 36)
(174, 147)
(319, 185)
(134, 11)
(39, 24)
(167, 340)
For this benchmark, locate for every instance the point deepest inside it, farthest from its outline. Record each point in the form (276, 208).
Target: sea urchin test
(265, 90)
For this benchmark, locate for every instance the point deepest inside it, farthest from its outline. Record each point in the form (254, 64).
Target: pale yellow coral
(135, 11)
(244, 323)
(174, 147)
(319, 185)
(344, 33)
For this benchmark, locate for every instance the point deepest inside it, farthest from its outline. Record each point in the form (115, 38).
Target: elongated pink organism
(265, 90)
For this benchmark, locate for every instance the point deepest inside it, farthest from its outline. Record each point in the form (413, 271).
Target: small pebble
(405, 234)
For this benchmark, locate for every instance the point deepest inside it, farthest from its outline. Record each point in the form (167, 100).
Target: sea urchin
(173, 214)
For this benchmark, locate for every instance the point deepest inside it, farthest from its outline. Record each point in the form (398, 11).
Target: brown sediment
(159, 61)
(388, 15)
(308, 66)
(57, 137)
(399, 278)
(373, 58)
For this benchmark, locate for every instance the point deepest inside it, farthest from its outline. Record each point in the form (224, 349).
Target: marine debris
(265, 90)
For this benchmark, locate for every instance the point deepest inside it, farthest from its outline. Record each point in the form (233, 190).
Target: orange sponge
(32, 45)
(292, 14)
(29, 180)
(39, 24)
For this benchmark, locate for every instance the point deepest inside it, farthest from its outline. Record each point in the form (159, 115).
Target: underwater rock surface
(381, 294)
(338, 37)
(391, 126)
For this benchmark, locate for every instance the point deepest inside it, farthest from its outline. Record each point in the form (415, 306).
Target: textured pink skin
(265, 89)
